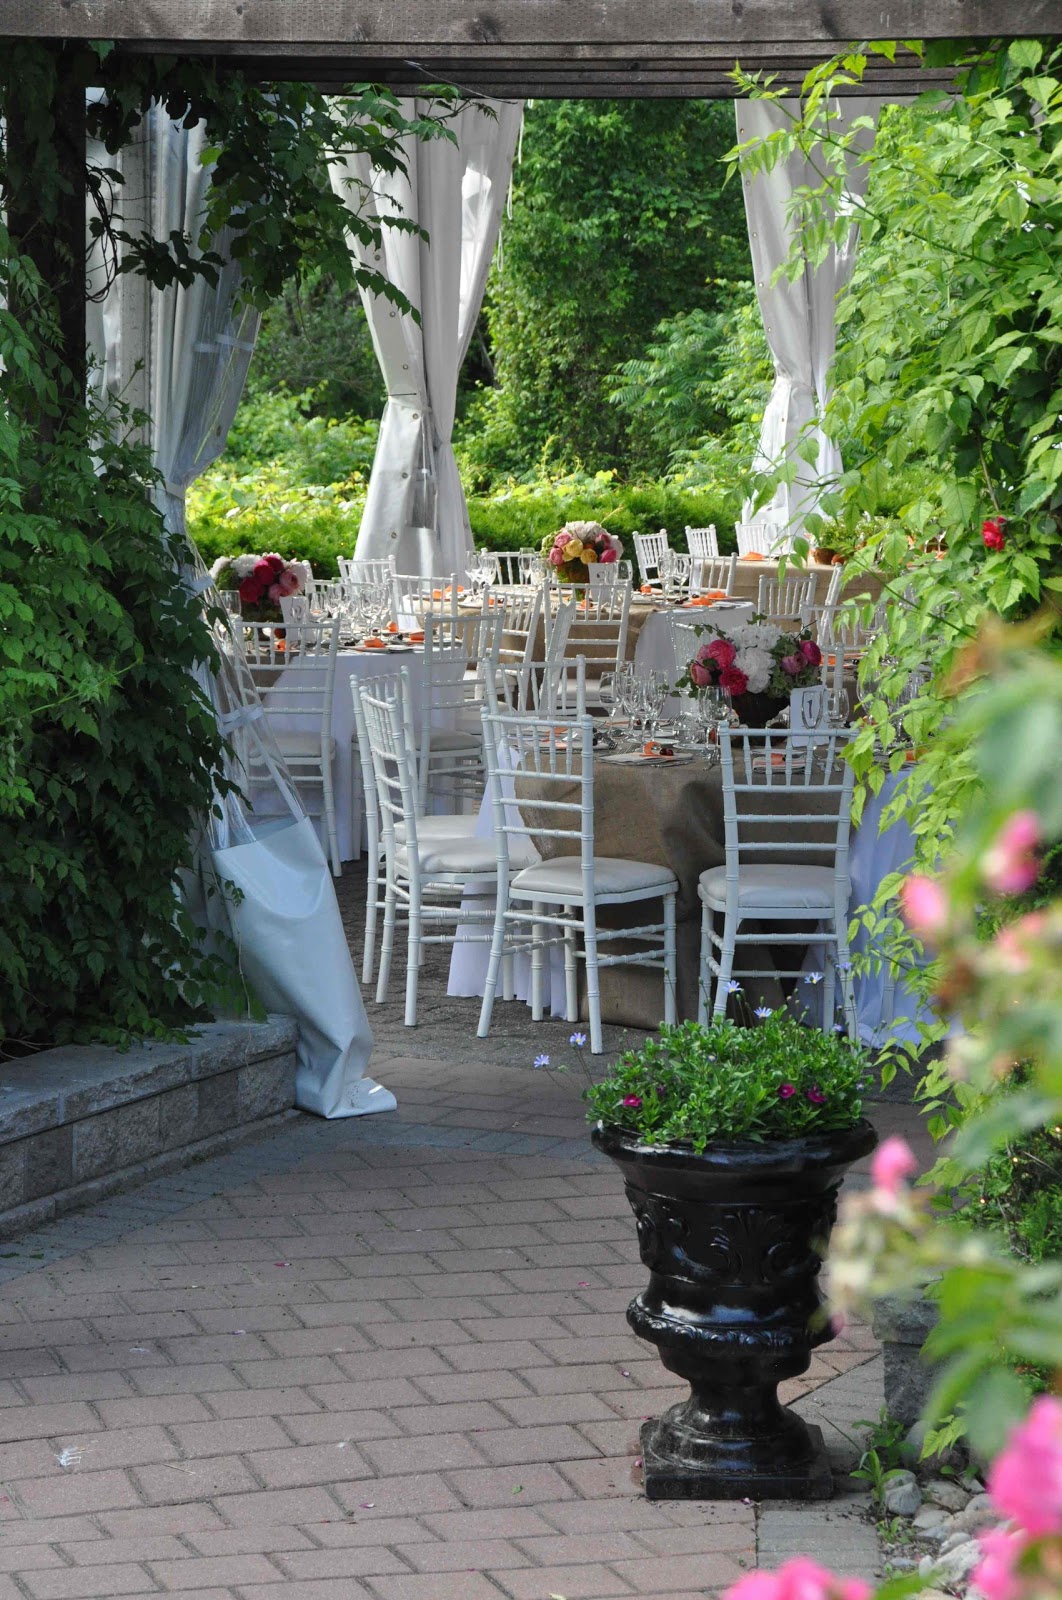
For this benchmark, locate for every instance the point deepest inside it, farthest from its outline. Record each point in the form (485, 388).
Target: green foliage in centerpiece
(698, 1085)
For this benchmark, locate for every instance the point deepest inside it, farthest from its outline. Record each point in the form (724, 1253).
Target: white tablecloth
(655, 651)
(346, 772)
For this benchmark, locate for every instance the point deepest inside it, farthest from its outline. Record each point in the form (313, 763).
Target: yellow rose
(589, 555)
(573, 550)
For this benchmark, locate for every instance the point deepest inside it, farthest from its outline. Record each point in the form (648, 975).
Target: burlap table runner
(672, 816)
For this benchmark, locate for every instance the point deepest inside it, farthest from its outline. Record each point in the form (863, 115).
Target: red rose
(992, 532)
(722, 652)
(699, 675)
(277, 564)
(734, 679)
(811, 652)
(263, 571)
(251, 589)
(793, 665)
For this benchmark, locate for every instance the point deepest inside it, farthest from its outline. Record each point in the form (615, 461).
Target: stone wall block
(266, 1087)
(116, 1139)
(49, 1162)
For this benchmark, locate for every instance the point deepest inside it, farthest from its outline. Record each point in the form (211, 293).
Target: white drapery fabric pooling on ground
(415, 508)
(195, 345)
(799, 317)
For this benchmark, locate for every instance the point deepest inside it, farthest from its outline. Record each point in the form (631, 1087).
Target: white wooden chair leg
(493, 968)
(330, 819)
(414, 956)
(537, 953)
(508, 985)
(704, 972)
(726, 964)
(571, 987)
(372, 896)
(593, 978)
(387, 944)
(829, 987)
(670, 960)
(357, 810)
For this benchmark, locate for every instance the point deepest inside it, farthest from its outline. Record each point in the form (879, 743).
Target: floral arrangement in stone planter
(733, 1143)
(263, 581)
(577, 547)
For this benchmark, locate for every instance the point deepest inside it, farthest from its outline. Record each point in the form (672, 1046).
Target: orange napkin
(392, 627)
(646, 588)
(652, 748)
(374, 644)
(753, 555)
(709, 597)
(416, 638)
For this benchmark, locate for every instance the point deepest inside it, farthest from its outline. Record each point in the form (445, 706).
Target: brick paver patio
(374, 1360)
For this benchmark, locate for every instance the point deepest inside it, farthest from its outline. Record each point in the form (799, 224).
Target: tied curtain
(182, 354)
(415, 510)
(798, 317)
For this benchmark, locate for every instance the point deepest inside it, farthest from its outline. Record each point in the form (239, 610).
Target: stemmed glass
(715, 710)
(838, 707)
(656, 691)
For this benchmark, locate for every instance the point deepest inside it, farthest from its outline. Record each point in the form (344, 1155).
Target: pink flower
(734, 680)
(607, 556)
(556, 556)
(811, 652)
(699, 675)
(1013, 944)
(799, 1579)
(289, 581)
(925, 906)
(794, 664)
(264, 570)
(722, 652)
(816, 1096)
(632, 1101)
(893, 1162)
(786, 1091)
(1026, 1479)
(274, 592)
(1009, 866)
(992, 532)
(996, 1577)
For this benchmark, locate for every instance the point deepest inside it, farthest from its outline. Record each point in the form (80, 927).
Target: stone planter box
(903, 1326)
(85, 1121)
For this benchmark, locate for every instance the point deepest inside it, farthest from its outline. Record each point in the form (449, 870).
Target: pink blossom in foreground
(699, 675)
(799, 1579)
(894, 1162)
(996, 1576)
(924, 905)
(1026, 1478)
(1010, 865)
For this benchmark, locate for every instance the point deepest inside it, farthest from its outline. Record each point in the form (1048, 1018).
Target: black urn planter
(734, 1240)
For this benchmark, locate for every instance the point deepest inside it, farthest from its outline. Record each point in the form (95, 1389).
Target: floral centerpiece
(577, 547)
(262, 581)
(753, 658)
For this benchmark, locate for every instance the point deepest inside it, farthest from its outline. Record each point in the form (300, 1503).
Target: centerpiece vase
(734, 1238)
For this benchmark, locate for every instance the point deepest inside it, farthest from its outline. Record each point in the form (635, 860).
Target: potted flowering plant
(578, 546)
(733, 1143)
(757, 663)
(262, 582)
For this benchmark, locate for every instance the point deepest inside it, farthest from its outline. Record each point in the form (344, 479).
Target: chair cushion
(444, 740)
(562, 878)
(292, 742)
(448, 827)
(451, 857)
(785, 885)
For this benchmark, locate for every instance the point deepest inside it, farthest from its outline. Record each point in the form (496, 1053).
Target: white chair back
(524, 615)
(392, 761)
(784, 800)
(648, 548)
(703, 543)
(833, 593)
(413, 595)
(516, 568)
(760, 537)
(552, 753)
(598, 632)
(784, 599)
(720, 573)
(373, 569)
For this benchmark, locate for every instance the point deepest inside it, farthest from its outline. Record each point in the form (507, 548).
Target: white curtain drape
(183, 355)
(799, 318)
(415, 509)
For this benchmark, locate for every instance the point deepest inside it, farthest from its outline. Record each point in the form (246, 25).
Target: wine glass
(838, 707)
(230, 599)
(606, 693)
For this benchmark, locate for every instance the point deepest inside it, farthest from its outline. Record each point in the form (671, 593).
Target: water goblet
(839, 707)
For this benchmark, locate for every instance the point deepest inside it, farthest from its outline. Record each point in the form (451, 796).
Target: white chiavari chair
(413, 595)
(294, 670)
(555, 900)
(648, 548)
(703, 543)
(371, 569)
(759, 537)
(718, 575)
(598, 632)
(786, 820)
(782, 600)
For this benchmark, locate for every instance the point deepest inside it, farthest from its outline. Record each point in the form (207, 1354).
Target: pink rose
(722, 652)
(274, 592)
(894, 1162)
(289, 581)
(699, 675)
(811, 652)
(793, 665)
(556, 556)
(733, 680)
(1025, 1481)
(924, 905)
(607, 556)
(1009, 866)
(996, 1577)
(799, 1579)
